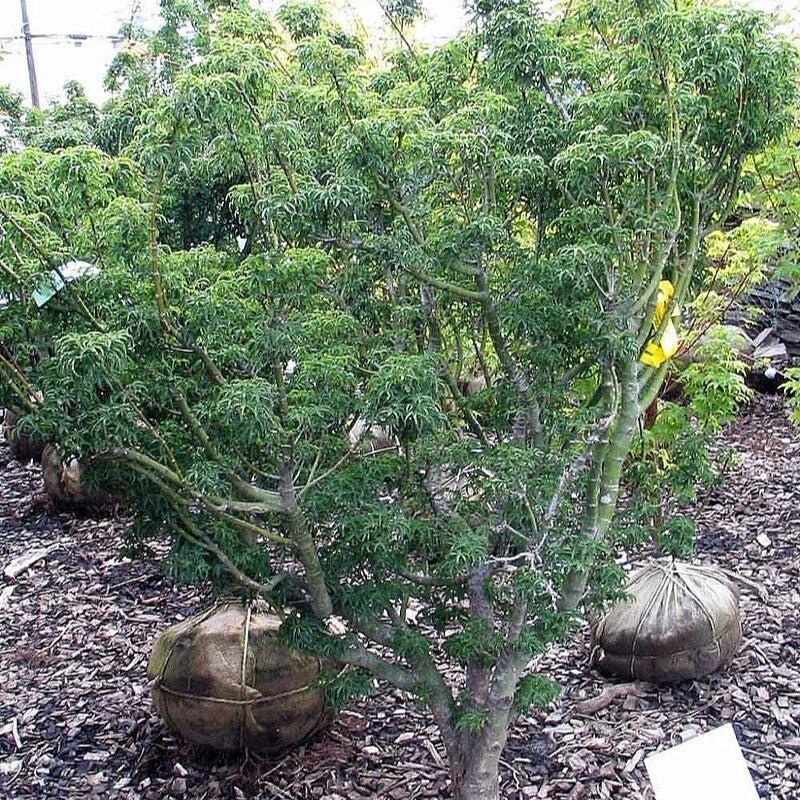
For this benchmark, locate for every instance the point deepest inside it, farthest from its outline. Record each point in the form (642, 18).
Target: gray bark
(477, 776)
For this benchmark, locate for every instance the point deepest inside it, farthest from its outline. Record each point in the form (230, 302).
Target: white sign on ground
(709, 767)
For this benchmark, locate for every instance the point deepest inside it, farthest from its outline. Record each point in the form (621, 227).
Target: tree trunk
(475, 759)
(304, 544)
(479, 778)
(608, 474)
(477, 788)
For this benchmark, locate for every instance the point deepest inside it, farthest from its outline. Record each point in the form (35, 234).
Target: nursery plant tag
(47, 289)
(59, 278)
(709, 766)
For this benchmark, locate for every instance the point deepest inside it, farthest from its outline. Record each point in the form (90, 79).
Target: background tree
(11, 111)
(286, 380)
(774, 200)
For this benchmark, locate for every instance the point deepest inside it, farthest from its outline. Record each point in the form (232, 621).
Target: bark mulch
(76, 719)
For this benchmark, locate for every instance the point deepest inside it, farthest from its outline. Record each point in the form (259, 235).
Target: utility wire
(69, 36)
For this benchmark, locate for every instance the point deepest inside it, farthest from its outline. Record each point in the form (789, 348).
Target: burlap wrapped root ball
(223, 680)
(65, 486)
(681, 622)
(23, 446)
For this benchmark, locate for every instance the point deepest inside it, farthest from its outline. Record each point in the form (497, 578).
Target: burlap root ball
(223, 680)
(23, 447)
(65, 486)
(681, 622)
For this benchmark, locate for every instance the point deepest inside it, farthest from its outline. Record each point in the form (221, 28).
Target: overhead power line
(79, 37)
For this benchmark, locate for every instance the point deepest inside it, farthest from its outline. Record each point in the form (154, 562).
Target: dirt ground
(76, 719)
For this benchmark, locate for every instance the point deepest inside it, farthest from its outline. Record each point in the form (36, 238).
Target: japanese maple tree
(366, 337)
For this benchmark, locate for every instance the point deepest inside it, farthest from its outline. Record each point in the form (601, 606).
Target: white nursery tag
(709, 767)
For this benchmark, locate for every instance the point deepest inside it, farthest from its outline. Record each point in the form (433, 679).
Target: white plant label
(709, 767)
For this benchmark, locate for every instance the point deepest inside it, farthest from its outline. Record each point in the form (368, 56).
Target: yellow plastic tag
(657, 352)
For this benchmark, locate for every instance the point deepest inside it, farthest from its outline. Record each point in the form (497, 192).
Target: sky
(60, 57)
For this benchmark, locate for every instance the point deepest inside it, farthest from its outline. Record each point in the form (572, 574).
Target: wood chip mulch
(76, 719)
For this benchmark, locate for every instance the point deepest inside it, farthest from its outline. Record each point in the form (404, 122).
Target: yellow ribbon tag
(657, 352)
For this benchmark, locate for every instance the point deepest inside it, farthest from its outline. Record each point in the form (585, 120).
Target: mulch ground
(76, 719)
